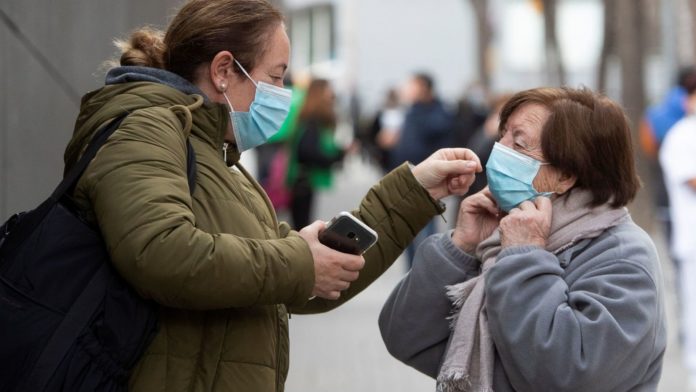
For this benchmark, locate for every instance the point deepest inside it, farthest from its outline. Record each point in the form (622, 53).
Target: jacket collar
(210, 121)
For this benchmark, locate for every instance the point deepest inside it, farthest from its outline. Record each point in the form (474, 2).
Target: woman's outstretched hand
(449, 171)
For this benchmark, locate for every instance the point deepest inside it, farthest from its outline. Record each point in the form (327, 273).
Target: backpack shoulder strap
(74, 322)
(98, 140)
(72, 177)
(29, 222)
(21, 225)
(191, 167)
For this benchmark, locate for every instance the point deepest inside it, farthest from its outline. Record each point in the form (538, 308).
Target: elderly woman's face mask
(511, 176)
(514, 164)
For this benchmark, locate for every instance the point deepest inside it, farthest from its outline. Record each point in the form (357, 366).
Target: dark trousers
(301, 203)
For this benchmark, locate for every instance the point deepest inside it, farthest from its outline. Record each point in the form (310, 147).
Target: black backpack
(68, 321)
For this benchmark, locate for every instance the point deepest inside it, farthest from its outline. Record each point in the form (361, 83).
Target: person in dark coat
(428, 126)
(385, 129)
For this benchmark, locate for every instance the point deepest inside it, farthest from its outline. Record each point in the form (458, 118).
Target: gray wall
(37, 113)
(395, 38)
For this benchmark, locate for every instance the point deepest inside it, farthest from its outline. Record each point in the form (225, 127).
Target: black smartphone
(346, 233)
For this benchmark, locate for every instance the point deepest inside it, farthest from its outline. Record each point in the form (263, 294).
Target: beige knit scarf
(468, 362)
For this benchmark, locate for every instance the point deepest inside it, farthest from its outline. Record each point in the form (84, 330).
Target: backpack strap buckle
(6, 228)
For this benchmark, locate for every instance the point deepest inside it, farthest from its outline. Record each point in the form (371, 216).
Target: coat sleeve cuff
(303, 265)
(399, 204)
(468, 263)
(517, 250)
(409, 193)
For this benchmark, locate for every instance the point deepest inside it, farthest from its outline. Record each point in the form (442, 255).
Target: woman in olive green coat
(224, 271)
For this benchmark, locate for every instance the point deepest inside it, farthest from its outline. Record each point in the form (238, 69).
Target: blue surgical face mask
(265, 116)
(510, 177)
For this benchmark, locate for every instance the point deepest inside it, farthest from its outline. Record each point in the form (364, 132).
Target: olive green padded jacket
(219, 264)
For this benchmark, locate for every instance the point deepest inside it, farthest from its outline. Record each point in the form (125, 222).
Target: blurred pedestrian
(386, 128)
(654, 127)
(428, 126)
(471, 112)
(678, 159)
(273, 157)
(219, 266)
(659, 118)
(314, 150)
(552, 285)
(481, 143)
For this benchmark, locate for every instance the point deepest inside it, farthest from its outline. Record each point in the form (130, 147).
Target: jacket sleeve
(397, 208)
(138, 188)
(414, 320)
(594, 335)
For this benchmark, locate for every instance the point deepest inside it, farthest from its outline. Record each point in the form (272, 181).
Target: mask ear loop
(228, 101)
(245, 73)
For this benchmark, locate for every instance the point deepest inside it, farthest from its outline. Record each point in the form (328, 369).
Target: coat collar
(209, 122)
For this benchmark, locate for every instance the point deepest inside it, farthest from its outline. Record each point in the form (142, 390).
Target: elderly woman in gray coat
(545, 284)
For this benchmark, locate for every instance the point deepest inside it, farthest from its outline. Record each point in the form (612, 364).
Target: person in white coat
(678, 161)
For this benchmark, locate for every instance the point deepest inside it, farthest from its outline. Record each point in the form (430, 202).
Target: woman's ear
(565, 183)
(221, 70)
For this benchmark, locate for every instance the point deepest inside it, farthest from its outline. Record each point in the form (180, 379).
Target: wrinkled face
(523, 134)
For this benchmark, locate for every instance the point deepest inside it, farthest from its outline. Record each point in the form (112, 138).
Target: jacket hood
(131, 88)
(120, 75)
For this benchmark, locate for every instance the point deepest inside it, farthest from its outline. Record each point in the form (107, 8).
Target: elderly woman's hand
(528, 224)
(478, 218)
(448, 171)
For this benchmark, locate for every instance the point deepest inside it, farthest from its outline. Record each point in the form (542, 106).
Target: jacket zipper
(263, 195)
(278, 348)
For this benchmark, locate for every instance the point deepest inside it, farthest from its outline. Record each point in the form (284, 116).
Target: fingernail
(471, 164)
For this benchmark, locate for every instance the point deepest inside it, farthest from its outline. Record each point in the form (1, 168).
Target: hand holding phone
(346, 233)
(333, 271)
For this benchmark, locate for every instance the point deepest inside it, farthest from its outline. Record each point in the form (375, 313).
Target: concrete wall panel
(37, 111)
